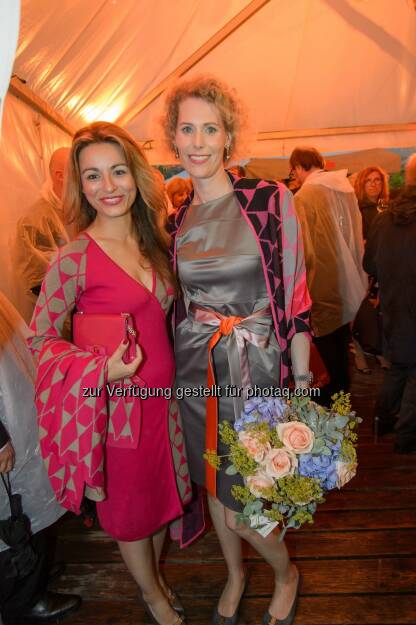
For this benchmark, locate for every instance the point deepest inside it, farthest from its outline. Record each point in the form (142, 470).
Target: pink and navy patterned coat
(269, 211)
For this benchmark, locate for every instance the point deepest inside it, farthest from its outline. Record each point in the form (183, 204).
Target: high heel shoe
(219, 619)
(268, 619)
(174, 600)
(180, 620)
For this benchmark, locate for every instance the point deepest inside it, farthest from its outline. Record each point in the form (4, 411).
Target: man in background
(42, 231)
(332, 234)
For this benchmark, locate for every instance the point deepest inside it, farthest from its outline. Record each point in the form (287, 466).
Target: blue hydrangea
(321, 467)
(259, 410)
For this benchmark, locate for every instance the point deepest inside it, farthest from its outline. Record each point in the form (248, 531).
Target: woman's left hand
(7, 458)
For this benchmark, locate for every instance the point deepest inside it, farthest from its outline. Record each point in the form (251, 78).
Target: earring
(227, 152)
(176, 151)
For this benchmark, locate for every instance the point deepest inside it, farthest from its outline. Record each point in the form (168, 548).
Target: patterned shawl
(74, 428)
(268, 209)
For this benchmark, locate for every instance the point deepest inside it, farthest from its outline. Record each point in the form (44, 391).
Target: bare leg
(231, 548)
(158, 542)
(139, 558)
(275, 554)
(360, 359)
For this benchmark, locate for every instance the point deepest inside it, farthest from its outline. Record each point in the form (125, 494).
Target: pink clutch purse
(102, 333)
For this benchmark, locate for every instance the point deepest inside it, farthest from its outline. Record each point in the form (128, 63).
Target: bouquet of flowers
(289, 453)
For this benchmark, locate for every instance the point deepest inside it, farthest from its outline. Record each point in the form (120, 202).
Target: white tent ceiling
(301, 66)
(337, 74)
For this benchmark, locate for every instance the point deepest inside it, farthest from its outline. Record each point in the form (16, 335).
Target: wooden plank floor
(358, 560)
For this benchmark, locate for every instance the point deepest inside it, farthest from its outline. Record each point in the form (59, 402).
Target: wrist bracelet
(306, 377)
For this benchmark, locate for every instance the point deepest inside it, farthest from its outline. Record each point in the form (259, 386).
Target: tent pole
(21, 91)
(340, 130)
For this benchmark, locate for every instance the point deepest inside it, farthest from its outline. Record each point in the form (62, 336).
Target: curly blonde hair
(149, 209)
(211, 90)
(359, 184)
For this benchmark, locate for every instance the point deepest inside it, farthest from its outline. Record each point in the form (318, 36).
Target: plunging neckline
(152, 292)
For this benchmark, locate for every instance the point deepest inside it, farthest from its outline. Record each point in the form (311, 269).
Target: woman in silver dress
(238, 253)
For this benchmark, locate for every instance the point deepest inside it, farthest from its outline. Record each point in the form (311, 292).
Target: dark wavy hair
(149, 210)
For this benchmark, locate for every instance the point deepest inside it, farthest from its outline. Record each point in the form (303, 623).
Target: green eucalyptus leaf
(318, 445)
(341, 421)
(257, 505)
(231, 470)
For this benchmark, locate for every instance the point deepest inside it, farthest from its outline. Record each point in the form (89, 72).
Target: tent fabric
(309, 64)
(298, 65)
(27, 143)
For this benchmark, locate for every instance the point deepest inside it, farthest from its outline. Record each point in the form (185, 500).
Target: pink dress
(140, 483)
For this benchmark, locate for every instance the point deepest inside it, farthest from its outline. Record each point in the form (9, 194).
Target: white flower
(345, 472)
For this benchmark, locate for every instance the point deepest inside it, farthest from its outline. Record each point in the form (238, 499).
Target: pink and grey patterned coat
(269, 211)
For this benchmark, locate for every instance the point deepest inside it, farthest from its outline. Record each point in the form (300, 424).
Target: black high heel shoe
(219, 619)
(268, 619)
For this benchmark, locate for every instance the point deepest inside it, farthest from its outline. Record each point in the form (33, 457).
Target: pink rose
(254, 444)
(280, 462)
(296, 436)
(258, 482)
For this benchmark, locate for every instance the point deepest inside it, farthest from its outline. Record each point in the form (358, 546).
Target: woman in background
(372, 190)
(178, 190)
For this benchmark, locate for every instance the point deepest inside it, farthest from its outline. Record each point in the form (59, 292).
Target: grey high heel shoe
(268, 619)
(219, 619)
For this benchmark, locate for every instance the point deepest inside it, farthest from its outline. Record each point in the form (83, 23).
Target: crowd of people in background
(351, 244)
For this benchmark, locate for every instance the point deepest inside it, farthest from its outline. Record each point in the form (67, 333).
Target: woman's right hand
(117, 368)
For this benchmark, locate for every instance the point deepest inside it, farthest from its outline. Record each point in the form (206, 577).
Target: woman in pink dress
(115, 449)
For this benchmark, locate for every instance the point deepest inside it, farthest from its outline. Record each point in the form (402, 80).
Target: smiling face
(106, 179)
(200, 138)
(373, 186)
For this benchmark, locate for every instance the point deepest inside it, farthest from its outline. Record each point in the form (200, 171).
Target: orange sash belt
(254, 329)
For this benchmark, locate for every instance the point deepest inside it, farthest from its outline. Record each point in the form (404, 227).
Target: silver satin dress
(219, 268)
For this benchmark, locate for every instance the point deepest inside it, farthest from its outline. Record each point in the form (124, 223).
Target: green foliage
(300, 490)
(348, 453)
(242, 494)
(396, 180)
(241, 460)
(212, 458)
(341, 403)
(227, 434)
(274, 515)
(300, 517)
